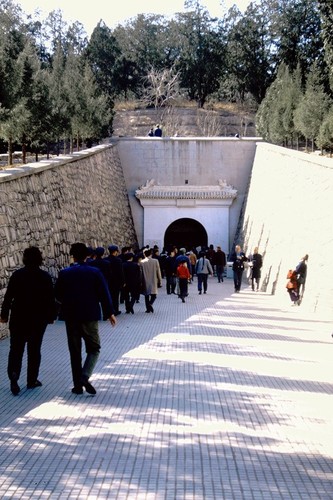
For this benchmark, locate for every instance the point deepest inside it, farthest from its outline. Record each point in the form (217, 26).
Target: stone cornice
(221, 191)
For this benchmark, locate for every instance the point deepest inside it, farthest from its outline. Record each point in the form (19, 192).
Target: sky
(89, 13)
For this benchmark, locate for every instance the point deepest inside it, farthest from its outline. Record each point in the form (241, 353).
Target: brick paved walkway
(228, 396)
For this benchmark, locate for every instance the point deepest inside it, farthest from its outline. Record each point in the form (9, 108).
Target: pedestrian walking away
(152, 279)
(203, 269)
(255, 265)
(170, 273)
(301, 271)
(29, 304)
(220, 263)
(117, 276)
(238, 258)
(184, 276)
(133, 281)
(83, 293)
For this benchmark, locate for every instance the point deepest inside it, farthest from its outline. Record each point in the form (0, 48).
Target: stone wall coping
(153, 191)
(187, 139)
(312, 158)
(10, 173)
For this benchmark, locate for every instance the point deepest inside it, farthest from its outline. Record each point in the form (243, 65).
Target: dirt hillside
(190, 121)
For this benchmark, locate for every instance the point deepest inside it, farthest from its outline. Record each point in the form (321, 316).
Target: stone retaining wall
(52, 204)
(289, 214)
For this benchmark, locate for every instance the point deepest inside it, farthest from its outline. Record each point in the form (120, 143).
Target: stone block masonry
(52, 204)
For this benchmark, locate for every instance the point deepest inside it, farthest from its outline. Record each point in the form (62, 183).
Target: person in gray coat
(152, 279)
(203, 269)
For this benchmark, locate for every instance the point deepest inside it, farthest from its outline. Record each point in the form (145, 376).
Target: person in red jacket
(183, 275)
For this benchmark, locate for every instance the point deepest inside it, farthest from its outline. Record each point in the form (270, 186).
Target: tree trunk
(10, 151)
(24, 153)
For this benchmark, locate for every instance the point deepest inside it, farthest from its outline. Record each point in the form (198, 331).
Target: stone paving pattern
(228, 396)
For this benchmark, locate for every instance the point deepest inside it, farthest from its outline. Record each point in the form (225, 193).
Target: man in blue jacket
(83, 292)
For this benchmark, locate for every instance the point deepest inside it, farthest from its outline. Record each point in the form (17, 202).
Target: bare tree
(161, 89)
(209, 122)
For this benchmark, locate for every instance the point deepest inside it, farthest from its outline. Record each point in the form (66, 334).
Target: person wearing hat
(83, 294)
(117, 276)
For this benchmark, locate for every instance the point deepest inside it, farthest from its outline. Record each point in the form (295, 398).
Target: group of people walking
(254, 261)
(92, 288)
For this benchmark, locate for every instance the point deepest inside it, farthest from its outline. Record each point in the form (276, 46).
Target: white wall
(289, 214)
(212, 215)
(200, 161)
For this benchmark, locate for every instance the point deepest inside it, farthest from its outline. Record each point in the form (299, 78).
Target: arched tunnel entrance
(187, 233)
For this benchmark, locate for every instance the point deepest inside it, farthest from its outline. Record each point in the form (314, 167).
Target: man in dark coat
(133, 282)
(102, 264)
(220, 263)
(117, 276)
(238, 258)
(170, 273)
(30, 302)
(82, 292)
(256, 265)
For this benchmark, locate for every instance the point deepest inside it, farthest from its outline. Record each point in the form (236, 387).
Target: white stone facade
(185, 164)
(208, 205)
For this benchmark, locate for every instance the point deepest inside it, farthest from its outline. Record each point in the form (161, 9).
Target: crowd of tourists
(94, 286)
(90, 289)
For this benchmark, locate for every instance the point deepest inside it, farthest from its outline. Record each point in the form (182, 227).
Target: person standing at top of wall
(238, 258)
(158, 131)
(29, 303)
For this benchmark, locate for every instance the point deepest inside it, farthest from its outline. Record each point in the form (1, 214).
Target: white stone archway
(209, 205)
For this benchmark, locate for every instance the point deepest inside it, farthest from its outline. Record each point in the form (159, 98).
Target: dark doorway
(187, 233)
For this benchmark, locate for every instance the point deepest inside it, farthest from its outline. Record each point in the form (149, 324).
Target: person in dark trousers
(133, 281)
(238, 258)
(203, 269)
(83, 292)
(170, 272)
(183, 275)
(301, 271)
(30, 305)
(220, 263)
(255, 262)
(152, 279)
(117, 276)
(210, 254)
